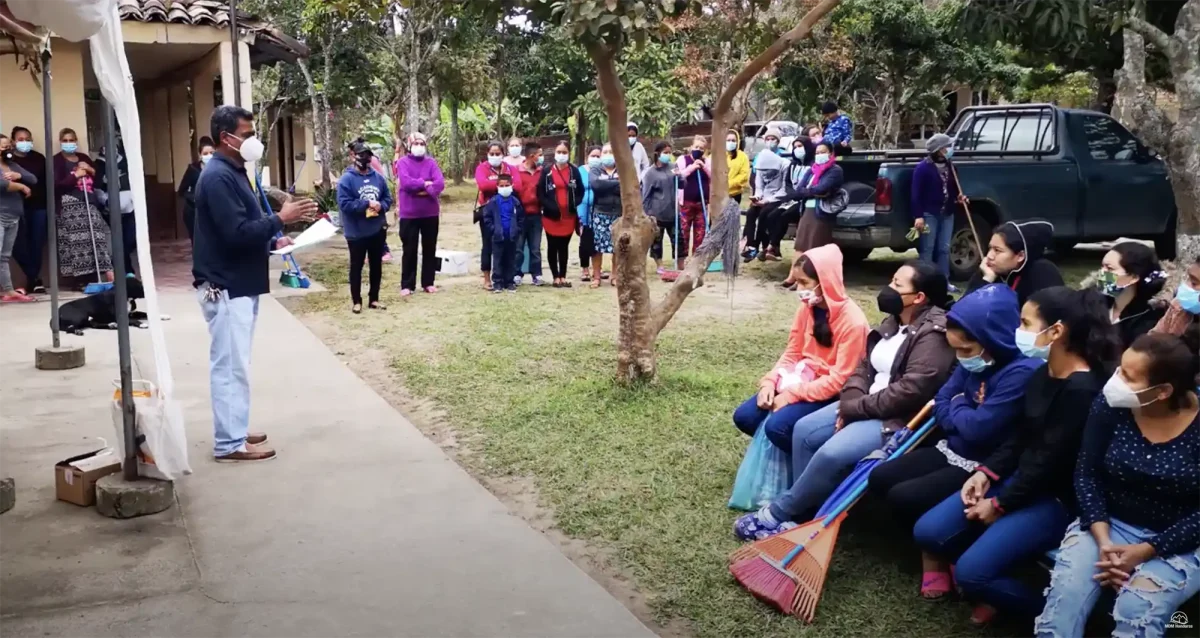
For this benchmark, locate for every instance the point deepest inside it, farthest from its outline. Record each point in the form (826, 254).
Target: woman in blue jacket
(587, 235)
(976, 411)
(823, 180)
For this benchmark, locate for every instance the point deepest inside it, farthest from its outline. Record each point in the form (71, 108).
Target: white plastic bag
(74, 20)
(163, 452)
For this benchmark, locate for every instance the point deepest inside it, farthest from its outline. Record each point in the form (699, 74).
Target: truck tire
(1164, 244)
(965, 258)
(854, 255)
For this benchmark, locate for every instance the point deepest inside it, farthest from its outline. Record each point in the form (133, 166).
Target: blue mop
(85, 185)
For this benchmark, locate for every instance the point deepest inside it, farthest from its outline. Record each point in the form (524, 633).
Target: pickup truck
(1081, 170)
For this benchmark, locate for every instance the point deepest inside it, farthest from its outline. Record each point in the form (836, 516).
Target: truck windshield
(1019, 132)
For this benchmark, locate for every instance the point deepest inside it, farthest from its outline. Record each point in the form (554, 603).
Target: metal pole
(51, 198)
(237, 63)
(113, 177)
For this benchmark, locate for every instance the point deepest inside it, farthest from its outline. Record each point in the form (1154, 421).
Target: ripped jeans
(1144, 605)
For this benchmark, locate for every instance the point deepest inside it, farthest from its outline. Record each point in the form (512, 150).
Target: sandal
(565, 284)
(586, 278)
(356, 308)
(595, 284)
(375, 305)
(936, 585)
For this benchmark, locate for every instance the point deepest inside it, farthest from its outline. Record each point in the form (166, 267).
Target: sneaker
(538, 281)
(517, 280)
(756, 526)
(497, 291)
(405, 292)
(251, 453)
(512, 289)
(16, 297)
(387, 258)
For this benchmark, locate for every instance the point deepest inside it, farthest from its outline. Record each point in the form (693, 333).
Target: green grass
(526, 381)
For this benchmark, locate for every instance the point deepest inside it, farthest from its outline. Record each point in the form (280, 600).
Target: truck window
(1015, 133)
(1107, 140)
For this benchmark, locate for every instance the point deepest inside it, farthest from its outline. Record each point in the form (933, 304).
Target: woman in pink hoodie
(828, 339)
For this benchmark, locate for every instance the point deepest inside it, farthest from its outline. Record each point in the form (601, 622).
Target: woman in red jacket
(486, 174)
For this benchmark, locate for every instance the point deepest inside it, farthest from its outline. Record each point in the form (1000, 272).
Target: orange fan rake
(787, 570)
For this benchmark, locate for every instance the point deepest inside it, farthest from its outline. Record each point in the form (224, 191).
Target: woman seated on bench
(907, 360)
(977, 410)
(826, 343)
(1138, 486)
(1019, 501)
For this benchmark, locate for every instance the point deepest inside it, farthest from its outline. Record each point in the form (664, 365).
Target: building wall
(21, 99)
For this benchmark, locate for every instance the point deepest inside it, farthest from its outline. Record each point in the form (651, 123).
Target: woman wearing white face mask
(486, 176)
(515, 156)
(823, 180)
(187, 186)
(1137, 482)
(560, 190)
(1019, 501)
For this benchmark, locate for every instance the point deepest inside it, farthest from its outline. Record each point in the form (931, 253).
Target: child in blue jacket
(503, 216)
(976, 410)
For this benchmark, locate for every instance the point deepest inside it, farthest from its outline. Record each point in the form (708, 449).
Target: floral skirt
(82, 237)
(602, 226)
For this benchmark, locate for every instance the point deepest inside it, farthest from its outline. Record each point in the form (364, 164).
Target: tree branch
(612, 94)
(698, 263)
(1155, 35)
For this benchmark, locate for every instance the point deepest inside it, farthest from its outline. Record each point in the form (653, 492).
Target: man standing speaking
(234, 237)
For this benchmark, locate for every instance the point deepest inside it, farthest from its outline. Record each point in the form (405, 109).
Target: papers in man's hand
(314, 234)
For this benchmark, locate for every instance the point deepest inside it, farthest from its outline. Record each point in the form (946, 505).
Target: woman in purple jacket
(935, 199)
(419, 182)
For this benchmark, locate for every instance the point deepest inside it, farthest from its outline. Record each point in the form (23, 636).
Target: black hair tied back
(1084, 313)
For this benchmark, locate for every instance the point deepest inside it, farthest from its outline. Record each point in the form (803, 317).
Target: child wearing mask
(504, 214)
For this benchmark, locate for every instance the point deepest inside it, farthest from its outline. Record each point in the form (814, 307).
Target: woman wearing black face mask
(907, 361)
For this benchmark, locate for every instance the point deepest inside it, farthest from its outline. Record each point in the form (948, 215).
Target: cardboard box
(453, 262)
(75, 478)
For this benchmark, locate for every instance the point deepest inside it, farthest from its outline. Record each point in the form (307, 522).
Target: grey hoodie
(12, 204)
(658, 193)
(770, 172)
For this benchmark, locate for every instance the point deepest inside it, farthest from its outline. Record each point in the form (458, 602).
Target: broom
(85, 184)
(765, 567)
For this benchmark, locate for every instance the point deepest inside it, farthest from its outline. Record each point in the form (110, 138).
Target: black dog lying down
(99, 311)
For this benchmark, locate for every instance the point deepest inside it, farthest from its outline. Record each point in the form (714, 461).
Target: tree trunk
(581, 133)
(435, 111)
(1106, 90)
(327, 116)
(498, 126)
(640, 323)
(318, 124)
(455, 140)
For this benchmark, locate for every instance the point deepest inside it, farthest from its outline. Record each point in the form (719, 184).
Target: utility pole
(237, 63)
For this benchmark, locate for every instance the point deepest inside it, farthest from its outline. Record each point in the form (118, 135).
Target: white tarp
(74, 20)
(116, 83)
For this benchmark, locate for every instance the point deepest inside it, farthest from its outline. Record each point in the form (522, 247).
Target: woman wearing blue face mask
(587, 235)
(82, 232)
(607, 188)
(1183, 314)
(975, 410)
(486, 176)
(1020, 500)
(658, 201)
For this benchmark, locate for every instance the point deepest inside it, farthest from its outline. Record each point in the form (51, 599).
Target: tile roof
(273, 44)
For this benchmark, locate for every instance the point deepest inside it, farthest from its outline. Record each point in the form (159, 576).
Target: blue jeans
(984, 554)
(935, 244)
(530, 240)
(8, 238)
(822, 457)
(748, 417)
(231, 329)
(1144, 606)
(31, 242)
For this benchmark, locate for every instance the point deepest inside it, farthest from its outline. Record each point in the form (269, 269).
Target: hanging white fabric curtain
(74, 20)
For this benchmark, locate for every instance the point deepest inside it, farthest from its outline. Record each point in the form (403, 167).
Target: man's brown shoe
(256, 438)
(252, 453)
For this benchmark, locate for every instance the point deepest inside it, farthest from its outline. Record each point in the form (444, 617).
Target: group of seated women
(1065, 418)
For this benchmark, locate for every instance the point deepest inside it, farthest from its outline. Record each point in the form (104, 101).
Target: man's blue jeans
(1144, 606)
(780, 423)
(934, 246)
(231, 329)
(985, 554)
(821, 458)
(31, 242)
(530, 239)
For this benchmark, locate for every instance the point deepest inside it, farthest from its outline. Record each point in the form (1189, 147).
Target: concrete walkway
(361, 527)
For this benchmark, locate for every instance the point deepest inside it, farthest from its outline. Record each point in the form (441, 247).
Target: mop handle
(85, 183)
(675, 239)
(703, 203)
